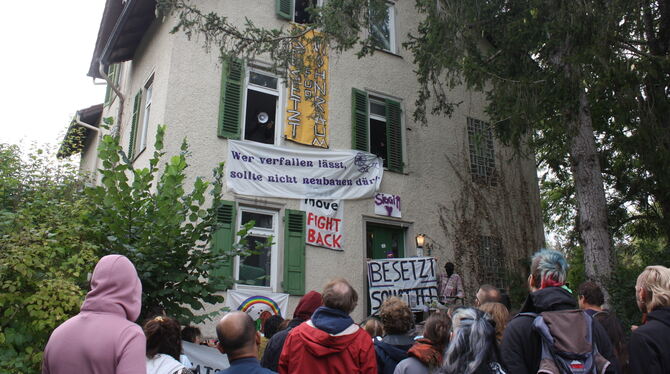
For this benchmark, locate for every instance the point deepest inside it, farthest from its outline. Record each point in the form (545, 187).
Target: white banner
(258, 169)
(412, 279)
(324, 222)
(258, 304)
(387, 205)
(205, 360)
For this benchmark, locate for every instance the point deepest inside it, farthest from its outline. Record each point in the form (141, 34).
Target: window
(259, 268)
(382, 28)
(482, 156)
(377, 128)
(140, 120)
(491, 262)
(296, 10)
(113, 72)
(260, 94)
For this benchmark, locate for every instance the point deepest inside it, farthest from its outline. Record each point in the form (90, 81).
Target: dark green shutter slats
(394, 135)
(284, 9)
(230, 107)
(133, 124)
(224, 237)
(294, 252)
(359, 120)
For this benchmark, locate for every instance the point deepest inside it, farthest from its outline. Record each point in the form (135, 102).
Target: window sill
(135, 157)
(388, 52)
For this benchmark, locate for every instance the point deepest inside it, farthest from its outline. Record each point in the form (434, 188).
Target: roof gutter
(78, 121)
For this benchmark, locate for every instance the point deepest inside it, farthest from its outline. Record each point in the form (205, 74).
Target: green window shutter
(359, 120)
(133, 124)
(394, 135)
(109, 92)
(230, 107)
(284, 9)
(294, 252)
(224, 237)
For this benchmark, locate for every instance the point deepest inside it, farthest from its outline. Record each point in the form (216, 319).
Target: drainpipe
(78, 121)
(117, 91)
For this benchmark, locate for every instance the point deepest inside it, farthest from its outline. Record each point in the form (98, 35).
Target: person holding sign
(450, 286)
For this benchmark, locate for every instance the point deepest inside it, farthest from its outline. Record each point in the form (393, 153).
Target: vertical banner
(412, 279)
(324, 222)
(307, 106)
(387, 205)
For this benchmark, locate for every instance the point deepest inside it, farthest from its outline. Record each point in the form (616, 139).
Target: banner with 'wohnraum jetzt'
(258, 169)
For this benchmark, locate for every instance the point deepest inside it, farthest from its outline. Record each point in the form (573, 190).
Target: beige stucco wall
(186, 98)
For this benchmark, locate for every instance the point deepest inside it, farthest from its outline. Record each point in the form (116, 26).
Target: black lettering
(386, 270)
(395, 265)
(374, 270)
(404, 269)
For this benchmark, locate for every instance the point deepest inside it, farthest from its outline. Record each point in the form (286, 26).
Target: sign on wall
(412, 279)
(387, 205)
(258, 169)
(258, 304)
(307, 105)
(324, 222)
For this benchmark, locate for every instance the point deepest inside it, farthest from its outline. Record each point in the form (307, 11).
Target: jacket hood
(330, 320)
(547, 299)
(307, 305)
(660, 314)
(395, 352)
(320, 343)
(115, 288)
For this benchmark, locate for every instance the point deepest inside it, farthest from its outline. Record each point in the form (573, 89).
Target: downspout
(78, 121)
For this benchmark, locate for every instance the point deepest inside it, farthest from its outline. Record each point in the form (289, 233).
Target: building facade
(475, 200)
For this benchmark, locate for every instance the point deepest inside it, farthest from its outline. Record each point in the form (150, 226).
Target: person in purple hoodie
(103, 338)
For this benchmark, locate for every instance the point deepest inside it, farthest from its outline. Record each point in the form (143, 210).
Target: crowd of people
(556, 331)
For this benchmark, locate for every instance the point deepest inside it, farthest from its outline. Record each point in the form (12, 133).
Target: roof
(73, 142)
(122, 28)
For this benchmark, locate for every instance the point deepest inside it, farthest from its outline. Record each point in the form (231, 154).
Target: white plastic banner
(412, 279)
(387, 205)
(204, 359)
(258, 169)
(258, 304)
(324, 222)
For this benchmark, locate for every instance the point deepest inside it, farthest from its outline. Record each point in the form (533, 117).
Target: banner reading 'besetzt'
(412, 279)
(258, 169)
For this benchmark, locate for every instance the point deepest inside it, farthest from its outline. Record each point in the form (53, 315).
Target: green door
(385, 241)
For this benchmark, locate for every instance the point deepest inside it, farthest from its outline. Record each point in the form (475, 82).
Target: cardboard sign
(324, 222)
(307, 105)
(413, 279)
(387, 205)
(258, 169)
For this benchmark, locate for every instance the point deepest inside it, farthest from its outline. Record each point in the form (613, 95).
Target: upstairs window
(139, 126)
(482, 155)
(113, 72)
(296, 10)
(491, 261)
(382, 28)
(377, 128)
(250, 103)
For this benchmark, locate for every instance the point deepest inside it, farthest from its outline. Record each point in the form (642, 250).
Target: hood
(330, 320)
(320, 343)
(115, 288)
(307, 305)
(547, 299)
(660, 314)
(395, 352)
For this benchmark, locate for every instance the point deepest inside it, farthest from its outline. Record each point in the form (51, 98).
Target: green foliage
(45, 254)
(162, 228)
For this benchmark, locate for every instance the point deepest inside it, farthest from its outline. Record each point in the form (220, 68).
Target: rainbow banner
(258, 304)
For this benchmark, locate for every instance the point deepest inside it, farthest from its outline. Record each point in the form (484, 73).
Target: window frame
(274, 248)
(278, 92)
(147, 100)
(393, 48)
(319, 4)
(382, 99)
(487, 159)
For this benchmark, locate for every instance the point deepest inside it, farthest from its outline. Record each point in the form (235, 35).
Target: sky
(46, 51)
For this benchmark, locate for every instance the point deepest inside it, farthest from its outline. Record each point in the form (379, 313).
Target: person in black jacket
(521, 346)
(396, 316)
(650, 343)
(303, 312)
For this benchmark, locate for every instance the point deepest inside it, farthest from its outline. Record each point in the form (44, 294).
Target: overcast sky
(46, 51)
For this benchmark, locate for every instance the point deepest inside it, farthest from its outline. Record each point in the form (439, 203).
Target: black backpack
(567, 343)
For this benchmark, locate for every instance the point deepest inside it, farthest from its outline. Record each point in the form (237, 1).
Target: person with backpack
(650, 343)
(550, 312)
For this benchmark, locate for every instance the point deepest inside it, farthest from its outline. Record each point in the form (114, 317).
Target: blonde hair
(656, 281)
(499, 314)
(374, 327)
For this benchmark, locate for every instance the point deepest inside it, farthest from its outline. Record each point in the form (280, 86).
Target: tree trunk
(591, 202)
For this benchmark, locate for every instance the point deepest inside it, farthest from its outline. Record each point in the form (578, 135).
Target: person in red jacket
(330, 342)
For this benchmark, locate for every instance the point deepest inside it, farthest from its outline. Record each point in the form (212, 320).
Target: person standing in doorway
(450, 286)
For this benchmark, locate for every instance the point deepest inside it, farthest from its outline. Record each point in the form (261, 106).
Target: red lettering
(336, 241)
(319, 239)
(310, 236)
(311, 218)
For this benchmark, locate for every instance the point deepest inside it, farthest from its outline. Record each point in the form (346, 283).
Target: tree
(45, 253)
(163, 229)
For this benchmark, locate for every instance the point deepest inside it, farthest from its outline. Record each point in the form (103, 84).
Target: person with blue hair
(521, 347)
